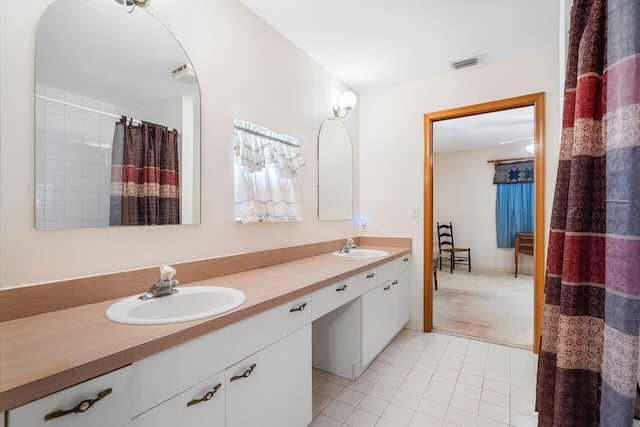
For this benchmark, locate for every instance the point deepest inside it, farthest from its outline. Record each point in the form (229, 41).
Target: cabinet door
(106, 400)
(200, 406)
(273, 386)
(375, 322)
(399, 302)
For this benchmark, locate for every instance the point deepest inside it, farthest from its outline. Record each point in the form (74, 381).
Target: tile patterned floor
(432, 379)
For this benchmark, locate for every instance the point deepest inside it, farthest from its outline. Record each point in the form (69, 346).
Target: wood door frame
(537, 101)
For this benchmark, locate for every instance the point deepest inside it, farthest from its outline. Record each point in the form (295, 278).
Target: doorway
(537, 102)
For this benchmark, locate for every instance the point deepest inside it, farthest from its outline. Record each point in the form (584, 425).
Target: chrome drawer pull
(395, 282)
(386, 288)
(301, 308)
(79, 408)
(207, 396)
(370, 275)
(342, 288)
(245, 374)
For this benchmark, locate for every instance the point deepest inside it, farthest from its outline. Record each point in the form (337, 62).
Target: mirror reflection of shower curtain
(144, 175)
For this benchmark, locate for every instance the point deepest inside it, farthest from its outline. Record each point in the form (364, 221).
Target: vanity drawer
(296, 314)
(113, 409)
(369, 280)
(402, 264)
(201, 405)
(333, 296)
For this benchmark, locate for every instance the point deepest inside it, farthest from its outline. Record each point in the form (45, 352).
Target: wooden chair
(450, 255)
(434, 266)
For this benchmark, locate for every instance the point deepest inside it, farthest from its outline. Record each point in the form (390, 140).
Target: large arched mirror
(90, 72)
(335, 171)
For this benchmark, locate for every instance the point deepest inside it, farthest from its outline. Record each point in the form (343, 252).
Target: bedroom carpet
(488, 305)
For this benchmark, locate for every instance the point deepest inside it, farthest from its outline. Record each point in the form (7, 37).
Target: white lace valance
(256, 147)
(267, 175)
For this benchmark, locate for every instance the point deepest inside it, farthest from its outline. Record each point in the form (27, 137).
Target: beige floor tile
(422, 420)
(350, 397)
(360, 418)
(373, 405)
(398, 414)
(338, 410)
(432, 408)
(329, 389)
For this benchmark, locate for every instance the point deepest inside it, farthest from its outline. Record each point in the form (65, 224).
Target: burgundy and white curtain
(587, 370)
(145, 186)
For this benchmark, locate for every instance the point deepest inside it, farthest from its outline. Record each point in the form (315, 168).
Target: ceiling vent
(465, 63)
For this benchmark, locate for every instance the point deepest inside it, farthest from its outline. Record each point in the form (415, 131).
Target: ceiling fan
(529, 147)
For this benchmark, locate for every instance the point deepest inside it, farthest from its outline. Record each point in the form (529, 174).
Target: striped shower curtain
(591, 318)
(144, 175)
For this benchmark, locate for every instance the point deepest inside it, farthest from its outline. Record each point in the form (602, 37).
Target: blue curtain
(514, 212)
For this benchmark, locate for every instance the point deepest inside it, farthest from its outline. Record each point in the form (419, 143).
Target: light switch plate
(415, 210)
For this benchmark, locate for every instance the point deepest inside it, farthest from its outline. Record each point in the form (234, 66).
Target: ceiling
(86, 56)
(373, 44)
(507, 128)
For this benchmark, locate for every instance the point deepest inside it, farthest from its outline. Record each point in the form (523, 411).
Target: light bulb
(348, 99)
(529, 148)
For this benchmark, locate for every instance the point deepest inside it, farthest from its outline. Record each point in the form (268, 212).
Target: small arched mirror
(335, 171)
(94, 64)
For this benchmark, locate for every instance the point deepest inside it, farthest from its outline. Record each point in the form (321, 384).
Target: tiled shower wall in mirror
(73, 156)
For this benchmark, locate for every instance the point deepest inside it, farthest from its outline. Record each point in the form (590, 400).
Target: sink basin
(190, 303)
(362, 253)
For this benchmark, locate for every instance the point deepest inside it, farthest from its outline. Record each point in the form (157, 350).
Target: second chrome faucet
(346, 248)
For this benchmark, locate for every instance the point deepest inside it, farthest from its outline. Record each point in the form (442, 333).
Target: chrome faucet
(346, 248)
(165, 285)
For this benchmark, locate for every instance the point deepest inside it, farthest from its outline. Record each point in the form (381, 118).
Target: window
(514, 201)
(268, 169)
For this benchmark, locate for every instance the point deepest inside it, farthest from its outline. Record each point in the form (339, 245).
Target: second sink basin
(362, 253)
(190, 303)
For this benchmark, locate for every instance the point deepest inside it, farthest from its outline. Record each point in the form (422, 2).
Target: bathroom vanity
(250, 366)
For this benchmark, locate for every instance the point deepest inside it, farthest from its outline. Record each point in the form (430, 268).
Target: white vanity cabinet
(100, 402)
(385, 311)
(170, 372)
(376, 315)
(273, 386)
(399, 302)
(200, 406)
(254, 372)
(348, 338)
(277, 342)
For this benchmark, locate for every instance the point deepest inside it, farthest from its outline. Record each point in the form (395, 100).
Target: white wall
(464, 194)
(245, 69)
(392, 142)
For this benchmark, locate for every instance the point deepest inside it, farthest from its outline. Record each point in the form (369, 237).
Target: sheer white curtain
(267, 175)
